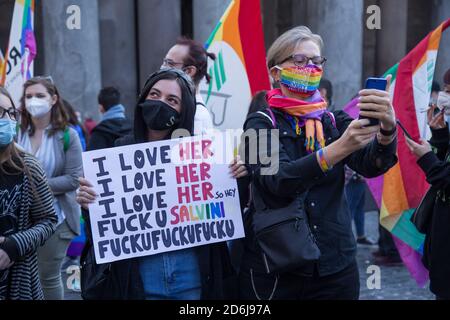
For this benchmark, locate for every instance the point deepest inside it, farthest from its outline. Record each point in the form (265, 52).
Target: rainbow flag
(240, 67)
(2, 65)
(401, 189)
(77, 244)
(27, 41)
(22, 44)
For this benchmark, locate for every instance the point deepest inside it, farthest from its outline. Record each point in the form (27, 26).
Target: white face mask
(37, 107)
(443, 102)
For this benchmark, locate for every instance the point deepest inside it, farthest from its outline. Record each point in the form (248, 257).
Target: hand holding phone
(374, 83)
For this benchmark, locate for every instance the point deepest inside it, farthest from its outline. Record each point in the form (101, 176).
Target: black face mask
(158, 115)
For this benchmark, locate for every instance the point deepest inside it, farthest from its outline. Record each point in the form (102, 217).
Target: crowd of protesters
(324, 156)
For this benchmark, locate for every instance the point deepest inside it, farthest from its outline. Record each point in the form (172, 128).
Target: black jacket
(325, 204)
(107, 132)
(436, 248)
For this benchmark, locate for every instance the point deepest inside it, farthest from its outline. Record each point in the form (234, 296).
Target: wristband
(387, 133)
(323, 161)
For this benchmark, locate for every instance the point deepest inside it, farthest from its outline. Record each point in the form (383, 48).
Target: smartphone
(404, 130)
(379, 84)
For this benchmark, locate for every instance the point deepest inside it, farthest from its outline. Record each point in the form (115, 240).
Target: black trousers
(343, 285)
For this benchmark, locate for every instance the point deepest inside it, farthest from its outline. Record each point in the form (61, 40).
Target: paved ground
(395, 281)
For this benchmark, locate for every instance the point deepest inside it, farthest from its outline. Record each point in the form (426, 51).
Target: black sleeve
(97, 141)
(280, 176)
(373, 160)
(440, 142)
(243, 187)
(437, 171)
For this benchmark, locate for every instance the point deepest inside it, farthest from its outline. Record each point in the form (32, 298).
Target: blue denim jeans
(171, 276)
(355, 193)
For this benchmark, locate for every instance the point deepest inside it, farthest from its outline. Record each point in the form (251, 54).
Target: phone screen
(379, 84)
(376, 83)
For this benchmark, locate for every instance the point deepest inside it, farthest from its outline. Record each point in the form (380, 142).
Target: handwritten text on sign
(161, 196)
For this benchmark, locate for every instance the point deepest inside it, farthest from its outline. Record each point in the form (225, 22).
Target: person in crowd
(75, 123)
(207, 270)
(447, 90)
(46, 134)
(436, 166)
(326, 91)
(314, 147)
(89, 124)
(447, 81)
(113, 124)
(435, 89)
(355, 193)
(257, 104)
(355, 187)
(387, 253)
(191, 57)
(76, 245)
(27, 216)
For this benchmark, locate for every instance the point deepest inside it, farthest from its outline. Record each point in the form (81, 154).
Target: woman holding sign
(314, 146)
(166, 103)
(46, 134)
(27, 216)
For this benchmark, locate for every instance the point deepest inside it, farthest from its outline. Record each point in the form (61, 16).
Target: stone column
(369, 45)
(72, 57)
(392, 37)
(159, 25)
(269, 20)
(206, 16)
(118, 49)
(441, 12)
(6, 12)
(340, 23)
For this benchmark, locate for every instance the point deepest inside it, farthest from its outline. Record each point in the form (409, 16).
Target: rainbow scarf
(306, 114)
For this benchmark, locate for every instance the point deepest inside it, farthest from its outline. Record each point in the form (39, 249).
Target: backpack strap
(66, 139)
(269, 116)
(272, 116)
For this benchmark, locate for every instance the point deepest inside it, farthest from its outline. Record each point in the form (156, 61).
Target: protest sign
(160, 196)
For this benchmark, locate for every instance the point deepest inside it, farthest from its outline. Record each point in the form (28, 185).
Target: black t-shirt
(10, 199)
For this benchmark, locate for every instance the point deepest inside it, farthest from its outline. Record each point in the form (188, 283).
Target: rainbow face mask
(301, 80)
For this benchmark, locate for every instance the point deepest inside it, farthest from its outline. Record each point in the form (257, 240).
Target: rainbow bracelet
(322, 161)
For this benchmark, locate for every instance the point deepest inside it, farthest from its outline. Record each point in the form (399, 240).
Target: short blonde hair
(285, 44)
